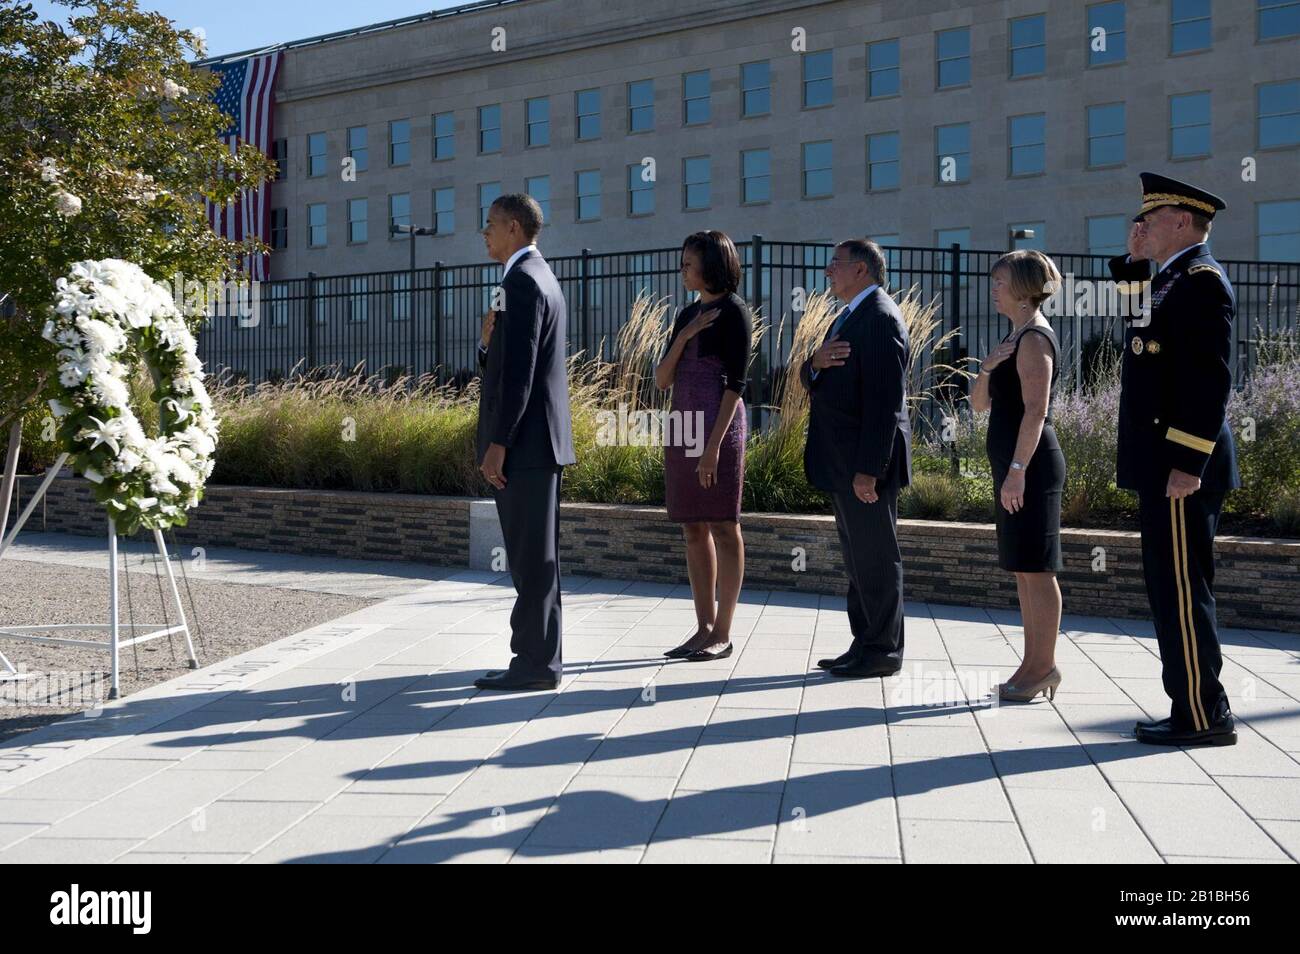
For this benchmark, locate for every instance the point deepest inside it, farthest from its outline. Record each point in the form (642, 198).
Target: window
(1026, 136)
(489, 128)
(399, 211)
(316, 154)
(400, 299)
(316, 233)
(755, 176)
(280, 153)
(696, 90)
(882, 161)
(697, 182)
(1035, 241)
(1028, 42)
(444, 136)
(444, 211)
(1105, 34)
(947, 237)
(641, 106)
(359, 298)
(588, 195)
(1279, 114)
(952, 57)
(357, 220)
(539, 187)
(279, 304)
(1189, 26)
(882, 69)
(818, 89)
(537, 116)
(1108, 235)
(1279, 231)
(1106, 135)
(587, 113)
(357, 149)
(1189, 125)
(756, 89)
(952, 153)
(640, 191)
(488, 192)
(279, 228)
(399, 142)
(1278, 18)
(817, 169)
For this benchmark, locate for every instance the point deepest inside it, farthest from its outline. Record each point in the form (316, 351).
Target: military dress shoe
(839, 660)
(1149, 723)
(863, 670)
(497, 679)
(1166, 733)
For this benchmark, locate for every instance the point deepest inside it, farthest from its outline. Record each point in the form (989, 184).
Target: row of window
(1190, 31)
(1278, 124)
(1277, 223)
(1278, 240)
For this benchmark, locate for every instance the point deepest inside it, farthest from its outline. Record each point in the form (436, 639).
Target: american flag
(246, 95)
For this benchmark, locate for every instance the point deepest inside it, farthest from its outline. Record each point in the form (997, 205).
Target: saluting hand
(699, 323)
(832, 354)
(999, 354)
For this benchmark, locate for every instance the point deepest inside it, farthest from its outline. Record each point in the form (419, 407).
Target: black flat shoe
(684, 650)
(839, 660)
(508, 681)
(1222, 732)
(853, 670)
(704, 655)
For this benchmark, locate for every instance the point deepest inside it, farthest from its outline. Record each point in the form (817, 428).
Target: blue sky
(227, 22)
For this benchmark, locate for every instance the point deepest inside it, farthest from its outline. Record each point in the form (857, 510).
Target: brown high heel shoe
(1047, 686)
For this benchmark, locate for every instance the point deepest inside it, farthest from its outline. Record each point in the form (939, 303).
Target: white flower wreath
(103, 313)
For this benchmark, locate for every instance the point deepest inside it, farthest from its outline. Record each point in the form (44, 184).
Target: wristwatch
(1016, 465)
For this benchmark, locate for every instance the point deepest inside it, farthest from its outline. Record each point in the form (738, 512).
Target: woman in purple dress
(704, 465)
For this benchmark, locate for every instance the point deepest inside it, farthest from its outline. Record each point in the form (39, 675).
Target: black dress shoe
(863, 670)
(839, 660)
(508, 680)
(1150, 724)
(1222, 732)
(710, 652)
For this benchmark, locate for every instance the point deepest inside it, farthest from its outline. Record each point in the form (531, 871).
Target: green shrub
(931, 497)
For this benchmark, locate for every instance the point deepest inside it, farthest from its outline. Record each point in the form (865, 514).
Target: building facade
(922, 124)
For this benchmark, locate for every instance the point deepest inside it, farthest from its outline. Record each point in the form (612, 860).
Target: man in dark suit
(859, 450)
(524, 435)
(1175, 447)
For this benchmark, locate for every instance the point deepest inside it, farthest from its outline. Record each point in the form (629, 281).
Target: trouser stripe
(1199, 702)
(1184, 609)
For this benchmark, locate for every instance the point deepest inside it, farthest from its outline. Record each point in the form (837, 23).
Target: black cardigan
(727, 338)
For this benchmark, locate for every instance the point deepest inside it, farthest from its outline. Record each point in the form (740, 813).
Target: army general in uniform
(1175, 448)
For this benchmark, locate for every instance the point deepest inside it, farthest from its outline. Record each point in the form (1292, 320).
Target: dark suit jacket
(524, 392)
(1176, 377)
(858, 422)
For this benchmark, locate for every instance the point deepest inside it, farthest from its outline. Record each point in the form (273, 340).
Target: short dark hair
(870, 254)
(719, 260)
(523, 208)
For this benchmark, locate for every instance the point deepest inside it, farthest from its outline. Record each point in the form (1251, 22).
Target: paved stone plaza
(363, 740)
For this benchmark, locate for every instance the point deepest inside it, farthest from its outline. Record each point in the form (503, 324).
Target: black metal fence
(427, 320)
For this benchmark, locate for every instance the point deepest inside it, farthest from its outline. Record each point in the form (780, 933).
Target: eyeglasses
(836, 262)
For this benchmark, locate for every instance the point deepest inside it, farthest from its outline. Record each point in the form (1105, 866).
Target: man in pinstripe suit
(859, 450)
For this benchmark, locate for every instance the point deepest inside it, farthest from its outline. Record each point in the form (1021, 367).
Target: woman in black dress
(705, 364)
(1015, 384)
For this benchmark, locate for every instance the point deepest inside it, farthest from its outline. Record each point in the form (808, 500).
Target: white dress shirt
(1175, 255)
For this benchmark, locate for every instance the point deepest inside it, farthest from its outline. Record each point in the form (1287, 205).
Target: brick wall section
(1257, 582)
